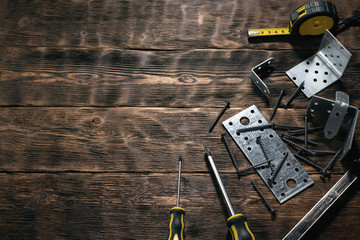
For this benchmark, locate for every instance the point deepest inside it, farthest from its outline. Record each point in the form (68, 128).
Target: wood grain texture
(110, 77)
(98, 99)
(151, 24)
(109, 206)
(124, 139)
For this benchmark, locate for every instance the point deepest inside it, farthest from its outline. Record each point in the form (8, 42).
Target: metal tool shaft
(221, 185)
(322, 206)
(179, 179)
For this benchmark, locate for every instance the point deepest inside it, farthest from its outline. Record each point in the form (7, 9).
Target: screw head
(272, 211)
(227, 104)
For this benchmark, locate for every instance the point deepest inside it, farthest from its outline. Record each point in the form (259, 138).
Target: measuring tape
(312, 19)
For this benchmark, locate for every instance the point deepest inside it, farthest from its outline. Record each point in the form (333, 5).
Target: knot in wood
(187, 78)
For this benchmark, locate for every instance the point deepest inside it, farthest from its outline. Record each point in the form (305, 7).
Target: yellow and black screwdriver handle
(239, 228)
(176, 226)
(310, 19)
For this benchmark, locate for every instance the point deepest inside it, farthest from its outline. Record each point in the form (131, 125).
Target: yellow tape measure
(312, 19)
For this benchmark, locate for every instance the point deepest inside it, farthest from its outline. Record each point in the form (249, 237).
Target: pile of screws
(291, 135)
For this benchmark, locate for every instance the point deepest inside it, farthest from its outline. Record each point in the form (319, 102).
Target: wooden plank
(98, 98)
(111, 77)
(124, 139)
(130, 206)
(153, 24)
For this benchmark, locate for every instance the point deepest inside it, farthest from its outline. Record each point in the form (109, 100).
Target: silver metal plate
(337, 115)
(324, 107)
(255, 71)
(290, 172)
(323, 68)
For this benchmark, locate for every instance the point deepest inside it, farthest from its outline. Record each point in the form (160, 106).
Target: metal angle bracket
(323, 68)
(256, 72)
(338, 113)
(292, 178)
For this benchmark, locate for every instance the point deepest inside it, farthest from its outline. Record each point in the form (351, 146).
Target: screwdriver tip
(180, 158)
(207, 151)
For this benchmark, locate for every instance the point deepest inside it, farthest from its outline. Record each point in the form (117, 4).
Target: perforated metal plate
(337, 115)
(323, 68)
(325, 108)
(255, 75)
(291, 171)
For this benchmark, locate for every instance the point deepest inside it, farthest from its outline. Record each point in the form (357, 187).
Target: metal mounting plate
(255, 72)
(323, 68)
(290, 172)
(324, 107)
(337, 115)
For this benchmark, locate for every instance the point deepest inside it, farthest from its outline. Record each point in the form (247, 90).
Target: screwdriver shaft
(179, 179)
(221, 185)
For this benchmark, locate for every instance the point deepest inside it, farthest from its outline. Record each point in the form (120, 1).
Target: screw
(292, 97)
(330, 163)
(299, 148)
(267, 204)
(226, 106)
(227, 145)
(322, 152)
(287, 126)
(299, 139)
(253, 167)
(314, 165)
(277, 170)
(259, 141)
(306, 131)
(255, 128)
(300, 131)
(276, 106)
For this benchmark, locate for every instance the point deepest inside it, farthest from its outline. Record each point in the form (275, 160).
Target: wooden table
(98, 99)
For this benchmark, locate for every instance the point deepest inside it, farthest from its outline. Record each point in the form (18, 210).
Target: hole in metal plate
(244, 121)
(291, 183)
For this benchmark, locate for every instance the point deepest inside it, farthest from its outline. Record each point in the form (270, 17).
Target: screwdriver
(237, 223)
(177, 225)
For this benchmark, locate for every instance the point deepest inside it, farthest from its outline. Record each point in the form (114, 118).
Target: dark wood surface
(98, 99)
